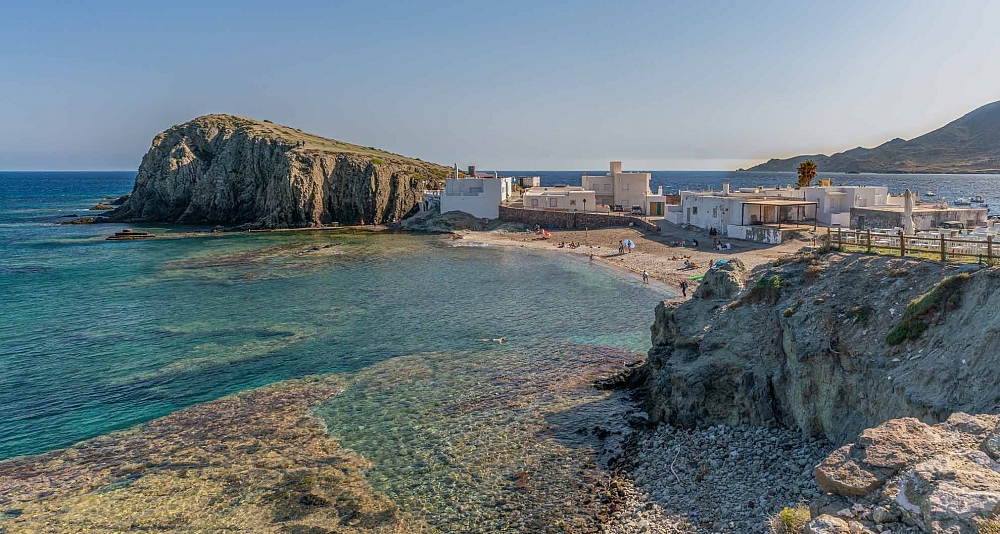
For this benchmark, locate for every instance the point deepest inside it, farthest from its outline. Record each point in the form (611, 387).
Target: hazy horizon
(509, 85)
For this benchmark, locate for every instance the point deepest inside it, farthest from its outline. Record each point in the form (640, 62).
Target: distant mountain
(970, 144)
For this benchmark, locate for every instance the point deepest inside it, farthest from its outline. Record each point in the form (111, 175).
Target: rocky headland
(239, 172)
(882, 357)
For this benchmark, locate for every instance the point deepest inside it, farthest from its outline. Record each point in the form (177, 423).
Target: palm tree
(807, 172)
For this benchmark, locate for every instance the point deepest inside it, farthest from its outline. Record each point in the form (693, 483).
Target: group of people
(571, 244)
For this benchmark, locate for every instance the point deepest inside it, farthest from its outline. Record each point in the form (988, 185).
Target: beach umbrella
(628, 243)
(907, 213)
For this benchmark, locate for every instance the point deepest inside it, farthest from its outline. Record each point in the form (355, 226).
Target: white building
(834, 203)
(527, 182)
(479, 197)
(745, 213)
(625, 190)
(560, 197)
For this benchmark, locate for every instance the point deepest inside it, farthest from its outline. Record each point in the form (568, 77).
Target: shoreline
(655, 252)
(617, 269)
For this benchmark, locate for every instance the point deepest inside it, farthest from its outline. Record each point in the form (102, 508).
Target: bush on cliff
(945, 296)
(790, 520)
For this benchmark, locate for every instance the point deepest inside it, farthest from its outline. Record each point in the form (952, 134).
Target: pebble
(716, 480)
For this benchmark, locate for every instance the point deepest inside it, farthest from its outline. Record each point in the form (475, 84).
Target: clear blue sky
(512, 85)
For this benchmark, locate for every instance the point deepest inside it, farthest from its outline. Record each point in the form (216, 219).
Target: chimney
(472, 171)
(456, 171)
(725, 189)
(616, 167)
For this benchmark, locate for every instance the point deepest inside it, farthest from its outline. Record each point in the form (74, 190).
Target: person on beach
(621, 247)
(694, 243)
(715, 237)
(591, 258)
(684, 289)
(645, 277)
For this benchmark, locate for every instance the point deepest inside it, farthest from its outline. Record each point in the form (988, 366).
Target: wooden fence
(940, 248)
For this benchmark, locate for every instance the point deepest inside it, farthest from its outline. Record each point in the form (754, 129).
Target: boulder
(843, 473)
(950, 492)
(827, 524)
(723, 281)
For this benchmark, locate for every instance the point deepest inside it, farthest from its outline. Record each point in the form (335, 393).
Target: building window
(553, 202)
(607, 187)
(694, 210)
(715, 213)
(534, 203)
(624, 187)
(572, 203)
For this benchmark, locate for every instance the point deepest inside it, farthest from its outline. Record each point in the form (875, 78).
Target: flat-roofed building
(560, 197)
(625, 190)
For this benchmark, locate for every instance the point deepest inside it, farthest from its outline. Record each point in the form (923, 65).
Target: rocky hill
(885, 357)
(233, 171)
(828, 344)
(970, 144)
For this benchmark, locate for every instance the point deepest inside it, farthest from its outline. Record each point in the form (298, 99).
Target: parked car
(636, 210)
(618, 207)
(952, 225)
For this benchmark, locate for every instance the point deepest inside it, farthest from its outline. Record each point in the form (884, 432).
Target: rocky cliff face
(804, 345)
(221, 169)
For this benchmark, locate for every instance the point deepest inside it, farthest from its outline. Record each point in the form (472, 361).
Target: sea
(99, 336)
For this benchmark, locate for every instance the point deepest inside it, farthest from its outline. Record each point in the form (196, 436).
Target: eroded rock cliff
(804, 345)
(222, 169)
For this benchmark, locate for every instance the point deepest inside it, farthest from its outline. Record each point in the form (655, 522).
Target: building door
(657, 208)
(689, 215)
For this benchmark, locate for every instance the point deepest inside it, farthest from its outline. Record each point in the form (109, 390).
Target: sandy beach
(654, 252)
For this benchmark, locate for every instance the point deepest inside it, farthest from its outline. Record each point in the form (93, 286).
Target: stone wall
(572, 220)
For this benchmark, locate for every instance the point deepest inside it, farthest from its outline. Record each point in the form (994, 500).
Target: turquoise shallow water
(99, 335)
(96, 335)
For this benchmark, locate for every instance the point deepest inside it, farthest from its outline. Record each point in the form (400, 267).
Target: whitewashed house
(560, 197)
(625, 189)
(480, 197)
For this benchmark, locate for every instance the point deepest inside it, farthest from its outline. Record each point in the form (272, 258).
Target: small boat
(962, 202)
(129, 234)
(978, 199)
(931, 193)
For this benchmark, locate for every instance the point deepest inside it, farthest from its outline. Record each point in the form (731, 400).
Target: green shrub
(945, 296)
(377, 161)
(790, 311)
(899, 273)
(790, 520)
